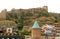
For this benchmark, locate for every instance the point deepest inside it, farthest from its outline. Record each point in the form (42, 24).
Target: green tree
(55, 20)
(19, 26)
(25, 32)
(21, 21)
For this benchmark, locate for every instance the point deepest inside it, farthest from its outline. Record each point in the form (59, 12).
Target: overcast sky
(53, 5)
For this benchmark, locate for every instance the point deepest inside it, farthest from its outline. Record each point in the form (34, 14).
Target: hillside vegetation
(24, 17)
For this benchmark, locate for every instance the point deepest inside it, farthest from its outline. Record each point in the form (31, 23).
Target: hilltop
(27, 16)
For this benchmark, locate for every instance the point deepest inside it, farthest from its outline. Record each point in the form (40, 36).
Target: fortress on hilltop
(4, 13)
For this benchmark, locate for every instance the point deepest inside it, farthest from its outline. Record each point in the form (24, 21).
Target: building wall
(36, 33)
(3, 14)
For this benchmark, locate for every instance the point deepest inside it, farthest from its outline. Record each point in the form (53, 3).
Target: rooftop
(35, 25)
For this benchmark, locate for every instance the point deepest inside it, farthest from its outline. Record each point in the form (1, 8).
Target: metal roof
(35, 25)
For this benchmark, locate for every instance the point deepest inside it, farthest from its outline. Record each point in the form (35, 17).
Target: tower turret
(36, 31)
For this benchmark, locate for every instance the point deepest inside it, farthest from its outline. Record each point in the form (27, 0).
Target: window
(9, 30)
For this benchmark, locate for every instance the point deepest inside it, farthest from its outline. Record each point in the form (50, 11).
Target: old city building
(8, 27)
(36, 34)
